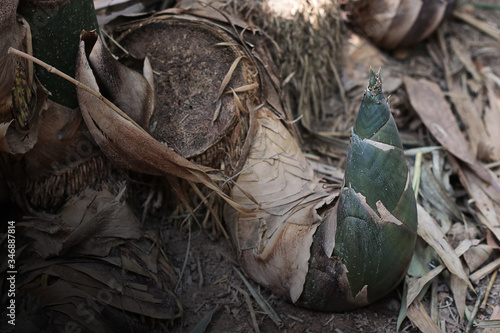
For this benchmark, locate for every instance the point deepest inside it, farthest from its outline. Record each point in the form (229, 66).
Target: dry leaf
(477, 255)
(428, 100)
(93, 264)
(486, 199)
(484, 271)
(492, 113)
(430, 231)
(459, 290)
(416, 285)
(421, 318)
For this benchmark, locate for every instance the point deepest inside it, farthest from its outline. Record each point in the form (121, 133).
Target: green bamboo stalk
(56, 26)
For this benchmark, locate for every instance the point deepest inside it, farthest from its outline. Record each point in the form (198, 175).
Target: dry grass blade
(260, 300)
(228, 76)
(250, 308)
(492, 113)
(459, 290)
(474, 313)
(417, 174)
(477, 255)
(488, 290)
(486, 200)
(210, 208)
(422, 150)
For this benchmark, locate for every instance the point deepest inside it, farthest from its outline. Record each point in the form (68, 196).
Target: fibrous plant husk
(305, 43)
(394, 24)
(213, 94)
(65, 161)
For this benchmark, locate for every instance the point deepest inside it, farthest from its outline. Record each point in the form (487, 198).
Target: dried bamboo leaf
(492, 113)
(202, 326)
(264, 305)
(417, 314)
(430, 231)
(415, 286)
(495, 317)
(459, 290)
(477, 255)
(478, 24)
(486, 200)
(228, 76)
(428, 101)
(482, 272)
(434, 191)
(426, 97)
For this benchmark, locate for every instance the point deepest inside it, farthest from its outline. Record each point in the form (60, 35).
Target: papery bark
(399, 23)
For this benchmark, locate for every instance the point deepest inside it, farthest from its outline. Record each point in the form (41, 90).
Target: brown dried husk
(206, 86)
(206, 90)
(394, 24)
(290, 202)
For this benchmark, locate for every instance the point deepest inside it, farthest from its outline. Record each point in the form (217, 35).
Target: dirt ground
(209, 282)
